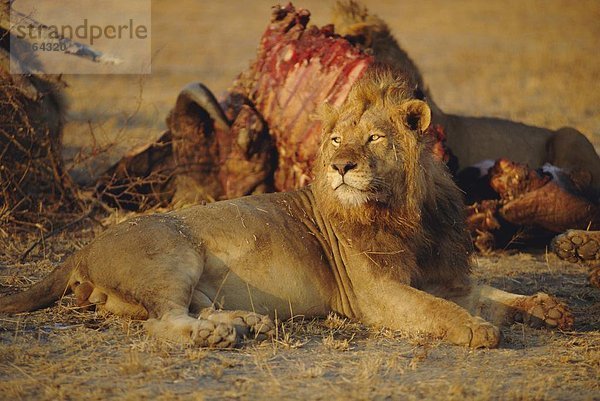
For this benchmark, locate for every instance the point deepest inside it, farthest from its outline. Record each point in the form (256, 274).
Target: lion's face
(371, 146)
(361, 156)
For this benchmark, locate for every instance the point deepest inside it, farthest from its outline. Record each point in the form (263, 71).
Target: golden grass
(63, 353)
(509, 59)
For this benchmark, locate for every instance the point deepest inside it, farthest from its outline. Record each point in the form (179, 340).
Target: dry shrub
(35, 191)
(142, 179)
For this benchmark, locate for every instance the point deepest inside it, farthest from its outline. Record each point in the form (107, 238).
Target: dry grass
(532, 61)
(64, 353)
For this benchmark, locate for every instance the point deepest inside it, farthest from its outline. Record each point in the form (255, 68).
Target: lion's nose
(343, 168)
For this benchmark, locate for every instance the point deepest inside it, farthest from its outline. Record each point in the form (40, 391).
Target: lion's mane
(425, 214)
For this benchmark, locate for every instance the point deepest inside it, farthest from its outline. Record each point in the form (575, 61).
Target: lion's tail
(43, 293)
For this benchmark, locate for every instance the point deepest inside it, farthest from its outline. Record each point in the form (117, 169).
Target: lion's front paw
(476, 334)
(542, 310)
(578, 246)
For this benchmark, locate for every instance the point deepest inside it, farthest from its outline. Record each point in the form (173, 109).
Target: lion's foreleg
(501, 307)
(402, 307)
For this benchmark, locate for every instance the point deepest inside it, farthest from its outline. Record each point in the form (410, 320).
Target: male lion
(379, 237)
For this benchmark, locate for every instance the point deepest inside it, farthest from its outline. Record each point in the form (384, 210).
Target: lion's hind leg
(88, 296)
(170, 302)
(247, 324)
(178, 326)
(174, 325)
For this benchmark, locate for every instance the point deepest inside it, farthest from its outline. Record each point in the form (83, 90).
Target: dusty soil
(536, 62)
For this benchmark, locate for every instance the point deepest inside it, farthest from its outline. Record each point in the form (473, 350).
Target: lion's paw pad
(542, 310)
(578, 246)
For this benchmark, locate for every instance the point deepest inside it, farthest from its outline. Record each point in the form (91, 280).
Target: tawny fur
(379, 237)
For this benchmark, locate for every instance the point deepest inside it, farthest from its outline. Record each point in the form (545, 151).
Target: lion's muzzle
(343, 167)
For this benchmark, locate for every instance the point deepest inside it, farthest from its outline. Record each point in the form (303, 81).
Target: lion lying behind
(379, 237)
(471, 139)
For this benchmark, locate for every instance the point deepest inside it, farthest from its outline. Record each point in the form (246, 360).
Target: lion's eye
(336, 140)
(375, 137)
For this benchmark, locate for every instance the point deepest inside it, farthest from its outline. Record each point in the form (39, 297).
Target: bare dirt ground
(532, 61)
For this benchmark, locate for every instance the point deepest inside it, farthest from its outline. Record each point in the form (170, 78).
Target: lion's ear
(416, 115)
